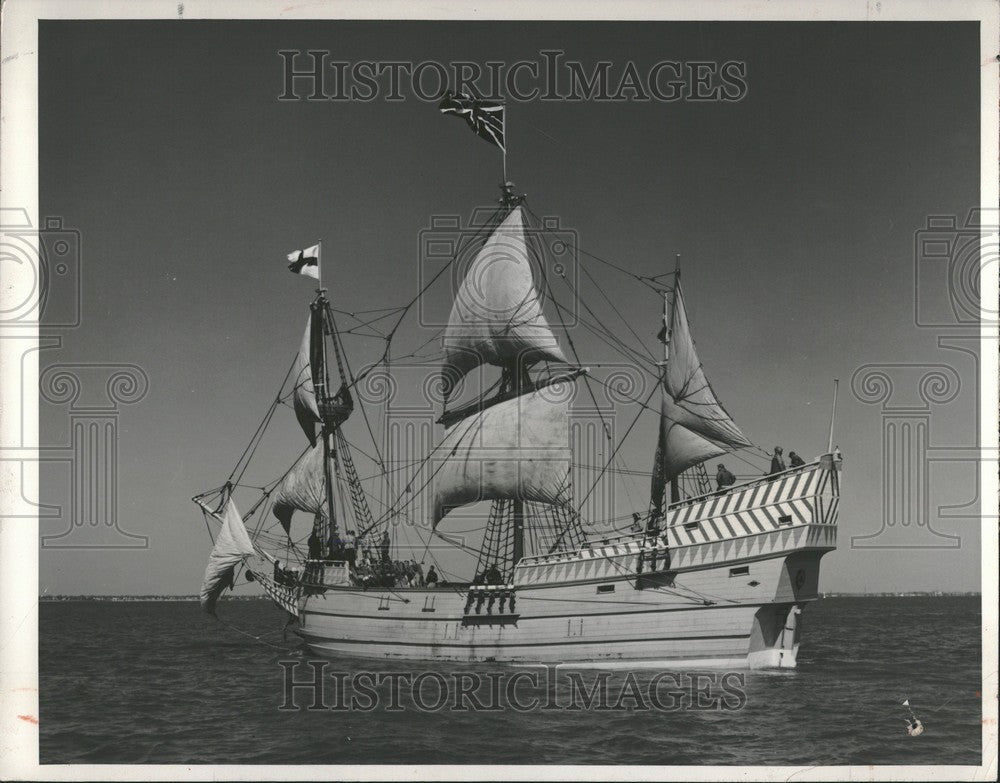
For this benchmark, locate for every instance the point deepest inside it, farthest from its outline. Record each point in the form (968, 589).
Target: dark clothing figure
(493, 575)
(794, 460)
(723, 478)
(384, 547)
(314, 552)
(432, 577)
(777, 461)
(334, 547)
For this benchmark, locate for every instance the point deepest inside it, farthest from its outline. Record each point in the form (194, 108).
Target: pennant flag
(484, 117)
(305, 262)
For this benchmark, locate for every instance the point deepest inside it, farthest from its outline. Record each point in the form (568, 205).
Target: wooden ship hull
(714, 579)
(724, 585)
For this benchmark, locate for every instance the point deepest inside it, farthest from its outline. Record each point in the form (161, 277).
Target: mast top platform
(508, 198)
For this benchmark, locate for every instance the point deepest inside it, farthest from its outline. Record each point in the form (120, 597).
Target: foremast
(334, 409)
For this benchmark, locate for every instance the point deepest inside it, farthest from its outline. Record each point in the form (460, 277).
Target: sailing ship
(700, 576)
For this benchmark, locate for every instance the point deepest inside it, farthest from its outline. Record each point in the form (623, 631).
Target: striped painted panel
(757, 521)
(769, 505)
(285, 597)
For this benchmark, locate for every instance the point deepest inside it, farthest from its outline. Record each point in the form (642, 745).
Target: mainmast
(497, 319)
(675, 494)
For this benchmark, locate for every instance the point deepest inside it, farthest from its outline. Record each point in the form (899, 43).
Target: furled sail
(515, 449)
(694, 426)
(304, 393)
(497, 316)
(232, 545)
(304, 489)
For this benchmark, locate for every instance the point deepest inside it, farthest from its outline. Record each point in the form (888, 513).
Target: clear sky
(794, 209)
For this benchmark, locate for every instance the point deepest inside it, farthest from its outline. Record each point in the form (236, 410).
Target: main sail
(518, 450)
(513, 448)
(497, 315)
(694, 426)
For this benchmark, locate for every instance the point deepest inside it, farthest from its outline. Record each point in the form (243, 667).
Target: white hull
(563, 624)
(742, 565)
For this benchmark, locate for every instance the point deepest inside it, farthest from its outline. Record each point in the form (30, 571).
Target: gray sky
(794, 209)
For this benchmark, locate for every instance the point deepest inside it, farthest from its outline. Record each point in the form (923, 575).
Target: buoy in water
(913, 725)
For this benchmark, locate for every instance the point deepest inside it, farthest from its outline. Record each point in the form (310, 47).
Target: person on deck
(384, 546)
(335, 547)
(723, 478)
(794, 460)
(313, 542)
(493, 575)
(777, 461)
(432, 577)
(351, 547)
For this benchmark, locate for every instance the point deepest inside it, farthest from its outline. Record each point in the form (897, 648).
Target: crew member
(432, 577)
(794, 460)
(351, 547)
(777, 461)
(313, 542)
(723, 478)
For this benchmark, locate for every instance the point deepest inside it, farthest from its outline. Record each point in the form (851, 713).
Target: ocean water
(160, 682)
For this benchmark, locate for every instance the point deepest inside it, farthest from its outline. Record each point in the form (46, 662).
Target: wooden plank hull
(724, 586)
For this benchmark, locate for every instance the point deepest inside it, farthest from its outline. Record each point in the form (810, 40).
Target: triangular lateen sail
(516, 449)
(497, 315)
(232, 545)
(696, 406)
(694, 426)
(677, 449)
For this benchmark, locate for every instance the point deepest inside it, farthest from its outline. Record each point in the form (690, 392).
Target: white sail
(678, 447)
(497, 316)
(232, 545)
(695, 405)
(304, 489)
(515, 449)
(694, 426)
(303, 393)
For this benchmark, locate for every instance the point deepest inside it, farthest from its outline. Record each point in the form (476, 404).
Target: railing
(315, 572)
(633, 536)
(748, 484)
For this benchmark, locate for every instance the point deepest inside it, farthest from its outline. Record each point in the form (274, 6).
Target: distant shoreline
(59, 598)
